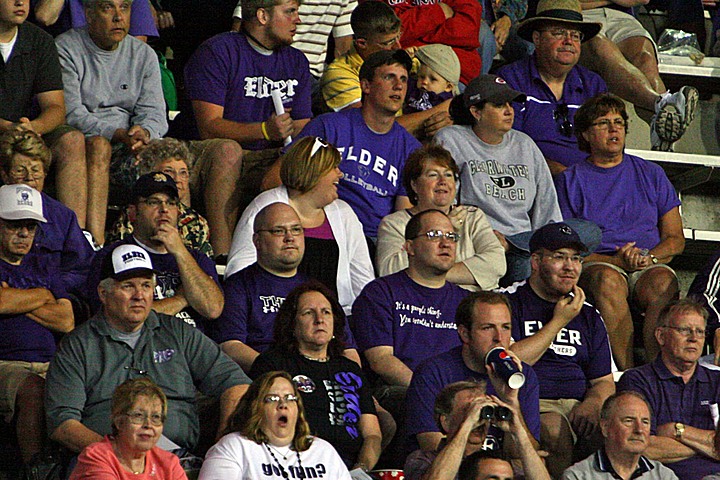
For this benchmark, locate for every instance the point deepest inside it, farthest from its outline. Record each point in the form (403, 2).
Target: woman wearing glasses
(430, 179)
(501, 170)
(336, 252)
(270, 439)
(638, 211)
(309, 344)
(138, 409)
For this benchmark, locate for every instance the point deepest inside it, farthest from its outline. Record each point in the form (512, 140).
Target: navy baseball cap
(555, 236)
(154, 182)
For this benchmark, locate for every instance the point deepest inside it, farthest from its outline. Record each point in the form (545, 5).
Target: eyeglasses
(436, 235)
(282, 231)
(17, 225)
(562, 258)
(688, 332)
(561, 117)
(274, 398)
(183, 174)
(139, 418)
(605, 124)
(21, 172)
(317, 145)
(156, 202)
(561, 33)
(391, 42)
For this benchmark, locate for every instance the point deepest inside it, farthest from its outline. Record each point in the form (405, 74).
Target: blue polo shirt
(537, 114)
(672, 400)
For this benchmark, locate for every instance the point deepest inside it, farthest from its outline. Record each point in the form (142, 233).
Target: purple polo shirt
(626, 201)
(536, 117)
(416, 321)
(579, 353)
(671, 400)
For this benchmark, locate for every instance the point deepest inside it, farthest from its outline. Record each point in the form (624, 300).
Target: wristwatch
(653, 259)
(679, 430)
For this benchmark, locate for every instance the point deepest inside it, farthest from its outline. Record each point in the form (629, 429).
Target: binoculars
(489, 412)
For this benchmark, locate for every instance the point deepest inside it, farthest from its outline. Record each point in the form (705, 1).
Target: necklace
(284, 455)
(321, 360)
(283, 472)
(247, 34)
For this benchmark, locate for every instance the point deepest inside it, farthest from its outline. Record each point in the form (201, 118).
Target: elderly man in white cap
(33, 306)
(128, 339)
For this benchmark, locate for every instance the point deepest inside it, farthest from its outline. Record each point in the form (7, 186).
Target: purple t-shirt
(73, 16)
(579, 353)
(626, 201)
(372, 163)
(536, 117)
(61, 245)
(417, 321)
(167, 275)
(419, 100)
(24, 339)
(671, 400)
(437, 372)
(227, 71)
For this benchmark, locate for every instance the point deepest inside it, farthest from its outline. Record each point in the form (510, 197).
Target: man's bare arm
(74, 435)
(52, 112)
(47, 12)
(228, 401)
(667, 450)
(56, 316)
(21, 300)
(240, 352)
(390, 368)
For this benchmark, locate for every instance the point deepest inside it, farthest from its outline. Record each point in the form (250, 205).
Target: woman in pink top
(139, 409)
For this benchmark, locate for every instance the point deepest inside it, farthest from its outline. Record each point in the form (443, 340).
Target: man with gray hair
(33, 306)
(128, 339)
(625, 425)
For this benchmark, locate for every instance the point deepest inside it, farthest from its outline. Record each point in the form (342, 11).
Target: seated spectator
(373, 145)
(637, 209)
(400, 319)
(173, 158)
(483, 321)
(376, 28)
(33, 100)
(458, 413)
(229, 80)
(61, 245)
(681, 393)
(128, 339)
(312, 36)
(309, 345)
(430, 177)
(337, 254)
(437, 78)
(565, 340)
(625, 425)
(553, 81)
(254, 295)
(138, 412)
(270, 436)
(34, 307)
(119, 119)
(502, 170)
(59, 16)
(704, 289)
(186, 281)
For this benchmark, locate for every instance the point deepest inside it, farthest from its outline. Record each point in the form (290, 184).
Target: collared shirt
(542, 110)
(598, 467)
(672, 400)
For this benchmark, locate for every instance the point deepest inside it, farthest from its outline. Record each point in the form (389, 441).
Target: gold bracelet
(264, 131)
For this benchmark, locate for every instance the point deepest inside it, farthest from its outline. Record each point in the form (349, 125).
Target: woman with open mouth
(269, 438)
(309, 344)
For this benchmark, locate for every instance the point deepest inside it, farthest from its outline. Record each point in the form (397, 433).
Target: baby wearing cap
(437, 78)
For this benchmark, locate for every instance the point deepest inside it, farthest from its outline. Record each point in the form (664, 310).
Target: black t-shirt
(334, 394)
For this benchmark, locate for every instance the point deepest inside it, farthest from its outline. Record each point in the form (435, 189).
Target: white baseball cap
(21, 202)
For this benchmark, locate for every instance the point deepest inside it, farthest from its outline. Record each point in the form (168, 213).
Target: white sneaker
(674, 113)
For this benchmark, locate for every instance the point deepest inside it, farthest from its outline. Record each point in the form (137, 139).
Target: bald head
(279, 239)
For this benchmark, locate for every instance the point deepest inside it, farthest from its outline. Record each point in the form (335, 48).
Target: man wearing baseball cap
(128, 339)
(565, 340)
(33, 307)
(186, 279)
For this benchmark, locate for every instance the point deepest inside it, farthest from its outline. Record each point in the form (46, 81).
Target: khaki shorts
(12, 375)
(561, 406)
(632, 277)
(617, 25)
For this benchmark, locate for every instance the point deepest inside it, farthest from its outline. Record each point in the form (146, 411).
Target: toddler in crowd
(437, 78)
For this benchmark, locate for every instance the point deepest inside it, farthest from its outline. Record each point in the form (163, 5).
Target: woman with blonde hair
(269, 438)
(336, 251)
